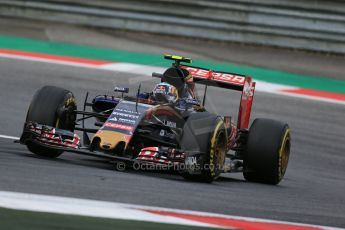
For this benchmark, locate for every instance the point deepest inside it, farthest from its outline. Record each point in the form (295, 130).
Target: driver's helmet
(181, 79)
(164, 92)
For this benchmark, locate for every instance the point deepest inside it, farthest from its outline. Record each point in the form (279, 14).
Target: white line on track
(105, 209)
(83, 207)
(9, 137)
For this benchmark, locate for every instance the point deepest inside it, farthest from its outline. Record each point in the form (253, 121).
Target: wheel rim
(284, 154)
(219, 153)
(68, 117)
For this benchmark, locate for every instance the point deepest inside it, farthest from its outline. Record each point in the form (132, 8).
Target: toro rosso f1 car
(166, 127)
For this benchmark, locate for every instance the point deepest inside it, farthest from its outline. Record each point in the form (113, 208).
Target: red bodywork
(52, 136)
(229, 81)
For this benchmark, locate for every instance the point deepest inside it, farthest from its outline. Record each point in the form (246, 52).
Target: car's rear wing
(228, 81)
(216, 78)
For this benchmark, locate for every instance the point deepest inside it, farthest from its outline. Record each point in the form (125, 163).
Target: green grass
(15, 220)
(73, 50)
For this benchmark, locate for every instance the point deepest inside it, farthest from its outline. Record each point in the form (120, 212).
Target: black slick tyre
(51, 106)
(267, 151)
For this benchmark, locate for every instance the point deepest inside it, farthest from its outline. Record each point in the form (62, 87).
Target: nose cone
(110, 140)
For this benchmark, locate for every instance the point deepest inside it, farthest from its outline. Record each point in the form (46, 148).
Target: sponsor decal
(191, 161)
(121, 89)
(126, 111)
(248, 91)
(118, 126)
(120, 114)
(170, 124)
(164, 133)
(123, 120)
(224, 77)
(127, 121)
(113, 119)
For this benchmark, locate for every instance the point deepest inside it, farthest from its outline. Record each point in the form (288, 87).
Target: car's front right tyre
(51, 106)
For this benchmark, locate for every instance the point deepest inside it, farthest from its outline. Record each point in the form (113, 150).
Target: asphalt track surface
(313, 190)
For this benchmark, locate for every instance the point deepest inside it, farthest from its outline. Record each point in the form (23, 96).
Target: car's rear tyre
(267, 152)
(205, 133)
(51, 106)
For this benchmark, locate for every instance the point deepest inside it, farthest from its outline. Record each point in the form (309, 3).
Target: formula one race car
(166, 127)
